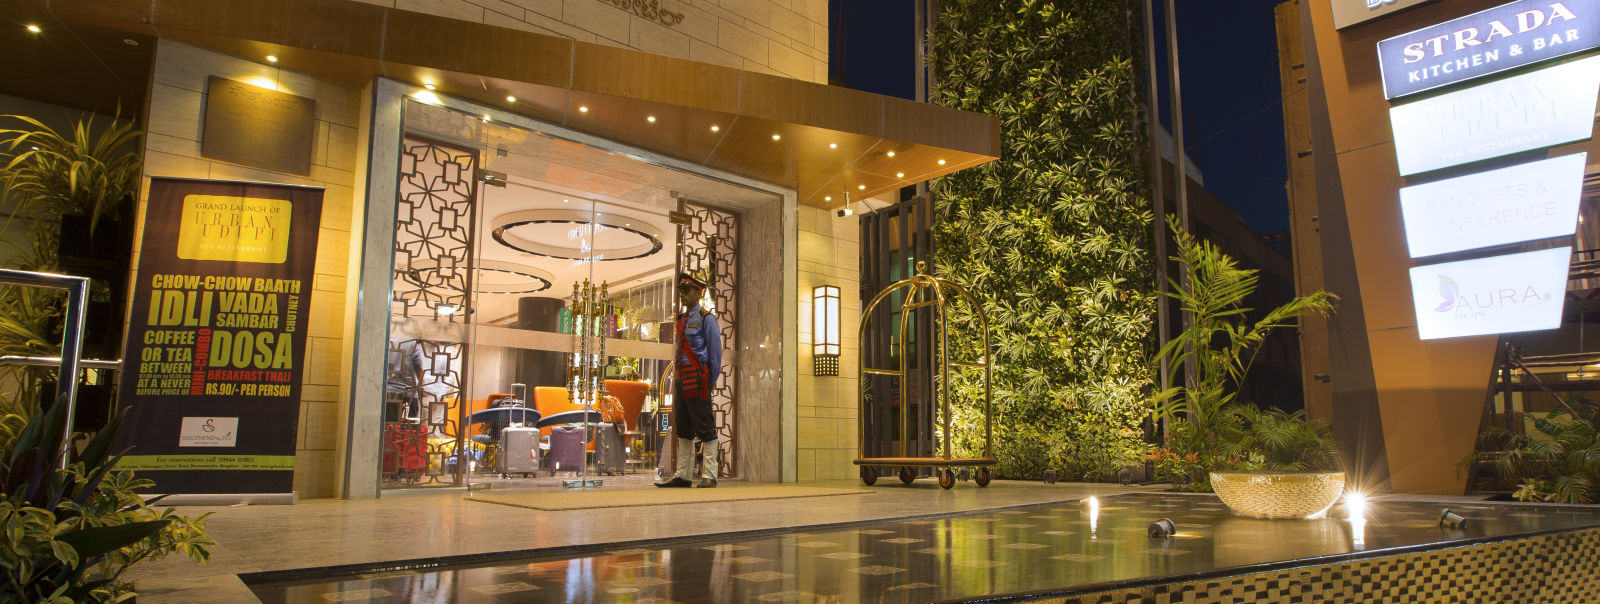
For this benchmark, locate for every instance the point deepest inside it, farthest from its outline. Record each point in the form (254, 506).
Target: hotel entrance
(531, 323)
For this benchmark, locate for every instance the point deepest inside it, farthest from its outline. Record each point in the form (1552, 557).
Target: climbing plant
(1055, 236)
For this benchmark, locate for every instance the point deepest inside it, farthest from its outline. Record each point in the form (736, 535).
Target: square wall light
(825, 330)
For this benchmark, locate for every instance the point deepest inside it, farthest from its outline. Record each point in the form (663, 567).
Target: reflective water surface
(1016, 550)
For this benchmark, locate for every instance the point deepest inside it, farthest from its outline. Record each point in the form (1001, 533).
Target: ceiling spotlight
(272, 58)
(941, 162)
(511, 99)
(716, 128)
(429, 86)
(34, 28)
(827, 198)
(130, 41)
(583, 109)
(890, 154)
(776, 137)
(899, 174)
(833, 145)
(861, 187)
(651, 119)
(565, 200)
(485, 119)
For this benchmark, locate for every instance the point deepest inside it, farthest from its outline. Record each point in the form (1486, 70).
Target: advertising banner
(1486, 42)
(1502, 294)
(1536, 200)
(1545, 108)
(216, 338)
(1352, 12)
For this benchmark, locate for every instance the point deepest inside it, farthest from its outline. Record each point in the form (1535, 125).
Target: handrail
(71, 335)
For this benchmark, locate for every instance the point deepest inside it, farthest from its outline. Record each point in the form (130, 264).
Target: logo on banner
(1490, 41)
(1536, 200)
(234, 229)
(1545, 108)
(1503, 294)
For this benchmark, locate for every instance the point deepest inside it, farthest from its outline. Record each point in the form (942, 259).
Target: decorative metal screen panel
(435, 220)
(709, 247)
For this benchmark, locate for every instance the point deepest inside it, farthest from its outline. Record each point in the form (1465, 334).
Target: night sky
(1228, 60)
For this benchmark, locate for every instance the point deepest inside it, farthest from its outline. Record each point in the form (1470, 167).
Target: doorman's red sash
(692, 374)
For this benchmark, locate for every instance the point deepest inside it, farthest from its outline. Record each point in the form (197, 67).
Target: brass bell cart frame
(924, 285)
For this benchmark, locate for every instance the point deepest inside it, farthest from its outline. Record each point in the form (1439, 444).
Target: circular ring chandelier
(510, 277)
(589, 228)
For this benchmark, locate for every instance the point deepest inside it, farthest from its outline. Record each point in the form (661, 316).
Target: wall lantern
(825, 330)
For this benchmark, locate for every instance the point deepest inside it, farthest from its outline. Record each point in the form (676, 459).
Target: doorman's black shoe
(676, 483)
(707, 483)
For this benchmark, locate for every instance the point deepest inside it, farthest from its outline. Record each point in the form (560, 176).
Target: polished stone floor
(1043, 548)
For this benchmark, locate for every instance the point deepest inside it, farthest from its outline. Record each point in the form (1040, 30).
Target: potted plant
(1207, 429)
(1561, 464)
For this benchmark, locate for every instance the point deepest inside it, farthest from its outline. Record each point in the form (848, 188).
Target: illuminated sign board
(1503, 294)
(1352, 12)
(1485, 42)
(1536, 200)
(1548, 107)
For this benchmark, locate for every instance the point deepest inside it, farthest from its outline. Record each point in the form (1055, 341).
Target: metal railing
(71, 338)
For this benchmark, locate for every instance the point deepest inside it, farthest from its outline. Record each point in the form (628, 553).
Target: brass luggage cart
(926, 290)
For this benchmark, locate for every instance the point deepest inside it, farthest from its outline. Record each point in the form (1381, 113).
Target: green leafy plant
(73, 523)
(88, 171)
(1561, 467)
(1218, 430)
(1054, 237)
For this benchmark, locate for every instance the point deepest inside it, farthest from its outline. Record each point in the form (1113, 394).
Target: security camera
(845, 212)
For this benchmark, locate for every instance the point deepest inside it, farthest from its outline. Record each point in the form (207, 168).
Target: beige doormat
(585, 500)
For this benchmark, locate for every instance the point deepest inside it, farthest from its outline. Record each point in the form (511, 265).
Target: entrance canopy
(823, 141)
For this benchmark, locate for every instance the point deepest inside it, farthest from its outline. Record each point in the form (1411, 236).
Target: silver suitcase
(609, 455)
(519, 451)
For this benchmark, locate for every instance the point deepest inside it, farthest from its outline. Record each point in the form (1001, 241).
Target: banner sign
(216, 338)
(1352, 12)
(1486, 42)
(1536, 200)
(1502, 294)
(1549, 107)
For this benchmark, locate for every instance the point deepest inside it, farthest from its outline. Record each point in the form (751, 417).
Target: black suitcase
(609, 455)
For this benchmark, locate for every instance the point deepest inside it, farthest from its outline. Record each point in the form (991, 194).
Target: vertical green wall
(1055, 237)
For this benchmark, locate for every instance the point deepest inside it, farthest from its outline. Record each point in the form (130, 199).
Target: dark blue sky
(1228, 59)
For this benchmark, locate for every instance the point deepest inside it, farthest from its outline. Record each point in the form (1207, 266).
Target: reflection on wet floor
(1018, 550)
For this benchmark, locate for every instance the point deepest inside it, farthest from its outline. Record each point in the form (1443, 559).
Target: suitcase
(566, 449)
(519, 451)
(405, 449)
(610, 456)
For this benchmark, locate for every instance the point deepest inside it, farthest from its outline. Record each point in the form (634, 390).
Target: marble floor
(428, 526)
(1042, 548)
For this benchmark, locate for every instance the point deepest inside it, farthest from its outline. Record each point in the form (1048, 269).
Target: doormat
(588, 500)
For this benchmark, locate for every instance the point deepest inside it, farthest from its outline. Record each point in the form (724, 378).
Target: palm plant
(1222, 344)
(1281, 441)
(1562, 467)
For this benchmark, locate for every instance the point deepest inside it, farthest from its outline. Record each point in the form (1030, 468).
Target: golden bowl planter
(1278, 494)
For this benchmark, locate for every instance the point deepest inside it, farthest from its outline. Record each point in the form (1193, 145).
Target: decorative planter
(1278, 494)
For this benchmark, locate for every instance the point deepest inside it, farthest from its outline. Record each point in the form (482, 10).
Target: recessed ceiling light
(891, 154)
(429, 86)
(716, 128)
(651, 119)
(833, 145)
(861, 187)
(583, 109)
(511, 99)
(130, 41)
(34, 28)
(776, 137)
(272, 58)
(485, 118)
(941, 162)
(899, 174)
(827, 198)
(565, 200)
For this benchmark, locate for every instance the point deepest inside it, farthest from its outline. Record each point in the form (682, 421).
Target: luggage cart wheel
(982, 477)
(906, 475)
(947, 478)
(868, 475)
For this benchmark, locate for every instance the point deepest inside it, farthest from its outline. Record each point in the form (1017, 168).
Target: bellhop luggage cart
(926, 291)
